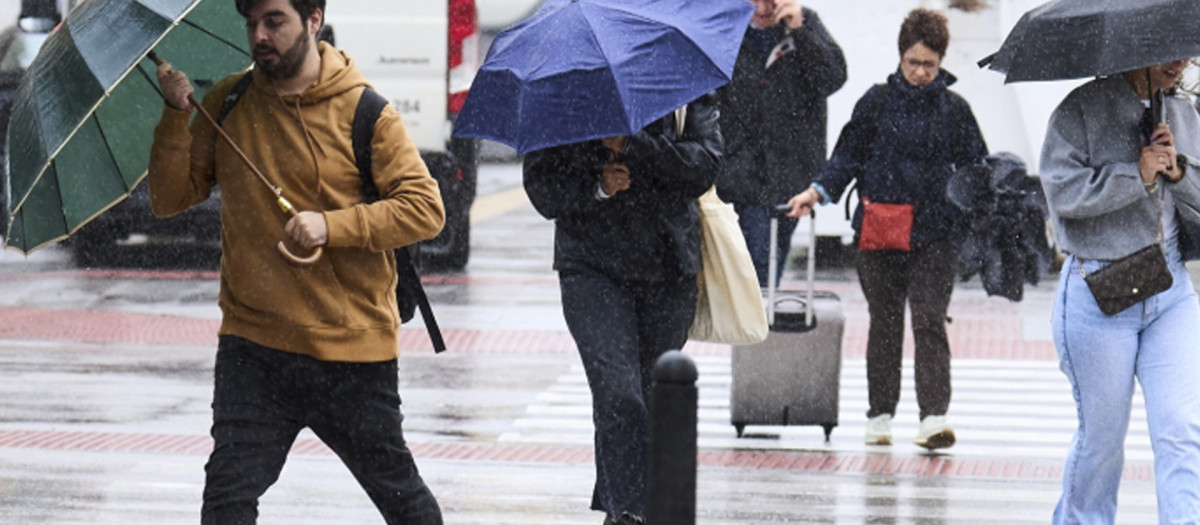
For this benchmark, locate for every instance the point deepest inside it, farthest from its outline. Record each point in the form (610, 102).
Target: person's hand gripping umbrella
(170, 77)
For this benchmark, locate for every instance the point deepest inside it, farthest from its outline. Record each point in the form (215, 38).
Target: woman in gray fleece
(1116, 182)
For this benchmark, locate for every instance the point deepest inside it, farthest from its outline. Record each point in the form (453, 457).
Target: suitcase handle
(792, 299)
(811, 264)
(810, 316)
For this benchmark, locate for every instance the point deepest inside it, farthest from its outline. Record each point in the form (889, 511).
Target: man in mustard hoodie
(309, 346)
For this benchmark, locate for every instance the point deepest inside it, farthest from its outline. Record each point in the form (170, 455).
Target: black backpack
(410, 294)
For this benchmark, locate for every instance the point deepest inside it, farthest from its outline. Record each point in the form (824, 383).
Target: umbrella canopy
(83, 117)
(1067, 39)
(584, 69)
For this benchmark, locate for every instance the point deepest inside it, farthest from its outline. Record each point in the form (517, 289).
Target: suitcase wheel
(828, 430)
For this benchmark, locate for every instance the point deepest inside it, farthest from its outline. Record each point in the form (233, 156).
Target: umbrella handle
(302, 262)
(295, 260)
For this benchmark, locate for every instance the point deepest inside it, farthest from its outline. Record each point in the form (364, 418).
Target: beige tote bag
(729, 306)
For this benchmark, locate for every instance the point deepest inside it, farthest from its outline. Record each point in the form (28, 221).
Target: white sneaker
(879, 430)
(934, 433)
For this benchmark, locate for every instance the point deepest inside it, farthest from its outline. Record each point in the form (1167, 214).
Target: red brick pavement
(817, 462)
(981, 328)
(973, 335)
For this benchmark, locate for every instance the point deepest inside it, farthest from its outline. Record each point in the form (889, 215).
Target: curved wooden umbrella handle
(302, 262)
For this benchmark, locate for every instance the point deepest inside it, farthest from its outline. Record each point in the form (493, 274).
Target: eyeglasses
(926, 64)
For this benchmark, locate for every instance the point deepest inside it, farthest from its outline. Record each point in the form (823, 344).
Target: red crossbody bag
(885, 226)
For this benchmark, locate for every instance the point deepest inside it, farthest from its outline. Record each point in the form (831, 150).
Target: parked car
(19, 43)
(423, 62)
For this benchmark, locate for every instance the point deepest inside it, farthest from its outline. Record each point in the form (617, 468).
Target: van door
(403, 53)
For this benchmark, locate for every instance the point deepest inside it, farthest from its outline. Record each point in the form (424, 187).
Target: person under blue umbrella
(626, 248)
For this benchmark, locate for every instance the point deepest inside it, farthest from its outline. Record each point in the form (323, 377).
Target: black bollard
(671, 456)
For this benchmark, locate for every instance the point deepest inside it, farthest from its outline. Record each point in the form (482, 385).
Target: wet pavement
(105, 384)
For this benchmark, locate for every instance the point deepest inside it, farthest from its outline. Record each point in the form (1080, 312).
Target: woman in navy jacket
(904, 140)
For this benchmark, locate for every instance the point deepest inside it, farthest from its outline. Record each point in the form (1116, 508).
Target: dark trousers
(755, 220)
(621, 328)
(924, 278)
(264, 397)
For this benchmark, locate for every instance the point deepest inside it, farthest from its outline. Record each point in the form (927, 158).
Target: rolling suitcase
(793, 377)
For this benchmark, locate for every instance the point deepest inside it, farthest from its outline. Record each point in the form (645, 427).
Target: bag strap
(875, 110)
(1161, 210)
(370, 106)
(362, 132)
(233, 96)
(710, 197)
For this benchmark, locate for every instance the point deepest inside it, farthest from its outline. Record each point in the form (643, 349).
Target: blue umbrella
(585, 69)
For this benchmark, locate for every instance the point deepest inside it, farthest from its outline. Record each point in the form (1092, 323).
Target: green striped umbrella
(83, 117)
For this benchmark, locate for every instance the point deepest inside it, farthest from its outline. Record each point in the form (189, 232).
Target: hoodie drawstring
(313, 144)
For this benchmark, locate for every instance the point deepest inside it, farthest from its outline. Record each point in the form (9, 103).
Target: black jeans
(923, 278)
(264, 397)
(621, 328)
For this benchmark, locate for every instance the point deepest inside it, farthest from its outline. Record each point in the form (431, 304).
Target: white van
(422, 56)
(495, 15)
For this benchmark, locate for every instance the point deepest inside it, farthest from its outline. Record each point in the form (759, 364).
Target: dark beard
(290, 61)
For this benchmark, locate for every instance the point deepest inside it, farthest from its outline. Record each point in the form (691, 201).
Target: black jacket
(774, 119)
(902, 144)
(1004, 233)
(649, 232)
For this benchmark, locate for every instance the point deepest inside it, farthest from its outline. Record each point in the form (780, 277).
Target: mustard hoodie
(343, 308)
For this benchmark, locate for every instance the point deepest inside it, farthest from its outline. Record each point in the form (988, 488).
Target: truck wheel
(451, 249)
(94, 245)
(455, 172)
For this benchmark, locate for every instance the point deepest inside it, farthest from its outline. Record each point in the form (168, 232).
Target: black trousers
(264, 397)
(924, 279)
(621, 329)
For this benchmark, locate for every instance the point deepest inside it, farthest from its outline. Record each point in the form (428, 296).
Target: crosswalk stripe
(1000, 408)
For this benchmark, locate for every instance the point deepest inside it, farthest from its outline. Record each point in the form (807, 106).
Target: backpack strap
(874, 108)
(233, 96)
(370, 106)
(406, 272)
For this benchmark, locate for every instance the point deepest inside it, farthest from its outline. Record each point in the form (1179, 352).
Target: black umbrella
(1067, 39)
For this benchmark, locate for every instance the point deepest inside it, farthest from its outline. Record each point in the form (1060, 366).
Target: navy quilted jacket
(901, 146)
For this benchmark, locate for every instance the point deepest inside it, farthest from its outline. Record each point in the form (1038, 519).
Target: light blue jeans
(1158, 343)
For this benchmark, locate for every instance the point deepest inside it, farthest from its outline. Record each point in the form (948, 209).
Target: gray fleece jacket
(1099, 208)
